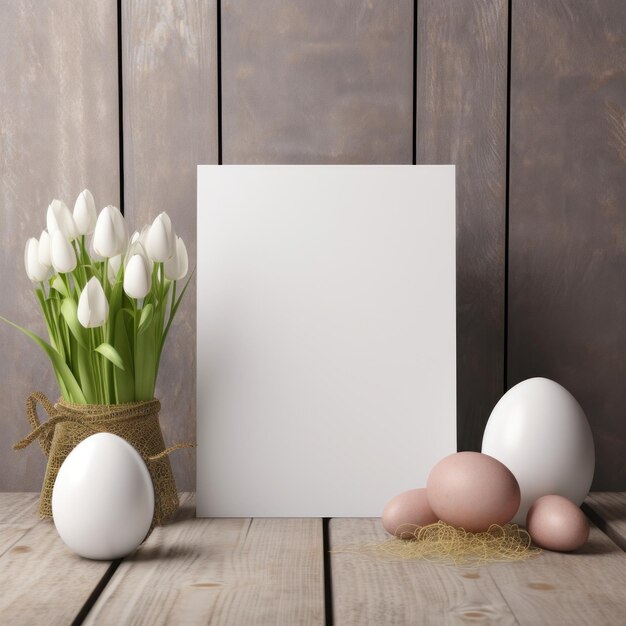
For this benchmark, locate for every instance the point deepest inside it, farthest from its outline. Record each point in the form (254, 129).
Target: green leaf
(175, 308)
(41, 296)
(59, 285)
(69, 311)
(115, 301)
(86, 375)
(145, 366)
(124, 380)
(111, 354)
(147, 313)
(68, 384)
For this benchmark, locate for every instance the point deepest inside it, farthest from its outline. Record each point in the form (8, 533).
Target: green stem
(79, 271)
(50, 322)
(163, 331)
(55, 317)
(95, 364)
(136, 356)
(105, 277)
(66, 281)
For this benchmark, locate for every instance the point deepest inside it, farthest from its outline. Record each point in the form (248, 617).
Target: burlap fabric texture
(68, 424)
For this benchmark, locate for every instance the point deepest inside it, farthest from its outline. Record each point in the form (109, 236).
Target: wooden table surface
(284, 571)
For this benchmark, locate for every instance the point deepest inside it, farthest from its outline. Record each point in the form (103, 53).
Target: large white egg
(540, 432)
(103, 498)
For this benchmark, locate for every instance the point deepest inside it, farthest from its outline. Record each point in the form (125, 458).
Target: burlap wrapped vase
(136, 422)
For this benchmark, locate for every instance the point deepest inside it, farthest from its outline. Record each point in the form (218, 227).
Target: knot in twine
(136, 422)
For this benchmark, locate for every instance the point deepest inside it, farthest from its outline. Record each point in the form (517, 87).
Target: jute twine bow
(136, 422)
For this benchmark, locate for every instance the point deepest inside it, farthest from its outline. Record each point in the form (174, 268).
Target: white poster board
(326, 336)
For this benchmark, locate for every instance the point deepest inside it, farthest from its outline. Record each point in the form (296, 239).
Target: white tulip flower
(138, 247)
(176, 267)
(110, 236)
(93, 254)
(85, 215)
(44, 249)
(115, 262)
(36, 271)
(62, 253)
(60, 218)
(161, 239)
(137, 276)
(141, 237)
(93, 308)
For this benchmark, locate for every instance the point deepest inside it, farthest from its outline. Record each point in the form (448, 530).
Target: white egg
(540, 432)
(103, 498)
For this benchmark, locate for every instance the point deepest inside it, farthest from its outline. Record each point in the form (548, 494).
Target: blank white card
(326, 336)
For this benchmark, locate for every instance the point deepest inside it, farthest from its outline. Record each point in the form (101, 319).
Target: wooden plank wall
(58, 135)
(461, 119)
(169, 68)
(332, 82)
(567, 253)
(317, 82)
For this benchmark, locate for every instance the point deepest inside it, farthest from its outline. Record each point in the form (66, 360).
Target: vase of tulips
(108, 301)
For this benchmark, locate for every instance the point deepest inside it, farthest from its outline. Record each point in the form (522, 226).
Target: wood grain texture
(461, 119)
(220, 571)
(567, 302)
(368, 591)
(170, 126)
(582, 588)
(18, 514)
(42, 582)
(317, 82)
(58, 135)
(609, 512)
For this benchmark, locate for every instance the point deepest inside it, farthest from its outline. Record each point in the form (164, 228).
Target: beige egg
(556, 523)
(471, 490)
(406, 511)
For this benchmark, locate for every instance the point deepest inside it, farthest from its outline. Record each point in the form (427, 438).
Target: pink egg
(406, 511)
(471, 490)
(556, 523)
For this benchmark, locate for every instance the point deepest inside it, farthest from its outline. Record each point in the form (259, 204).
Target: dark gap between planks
(414, 82)
(120, 104)
(219, 82)
(505, 366)
(95, 594)
(599, 521)
(328, 581)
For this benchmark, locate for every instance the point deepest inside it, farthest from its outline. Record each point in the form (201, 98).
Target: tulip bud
(176, 267)
(111, 233)
(44, 249)
(36, 271)
(141, 237)
(137, 276)
(85, 213)
(93, 254)
(161, 239)
(137, 247)
(62, 253)
(115, 262)
(93, 308)
(60, 218)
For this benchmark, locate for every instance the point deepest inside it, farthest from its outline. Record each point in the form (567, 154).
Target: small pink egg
(471, 490)
(556, 523)
(406, 511)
